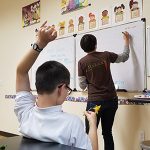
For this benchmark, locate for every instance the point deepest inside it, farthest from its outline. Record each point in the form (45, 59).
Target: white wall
(14, 43)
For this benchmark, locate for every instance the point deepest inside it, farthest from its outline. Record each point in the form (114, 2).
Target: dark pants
(107, 114)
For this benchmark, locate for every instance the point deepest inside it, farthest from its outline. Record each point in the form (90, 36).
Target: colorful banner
(71, 5)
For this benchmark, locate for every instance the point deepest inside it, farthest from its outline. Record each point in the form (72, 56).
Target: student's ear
(61, 90)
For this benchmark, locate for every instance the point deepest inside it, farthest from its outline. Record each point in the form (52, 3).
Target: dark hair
(122, 6)
(132, 3)
(88, 43)
(115, 9)
(49, 75)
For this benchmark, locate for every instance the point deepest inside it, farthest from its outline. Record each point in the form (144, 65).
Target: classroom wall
(14, 42)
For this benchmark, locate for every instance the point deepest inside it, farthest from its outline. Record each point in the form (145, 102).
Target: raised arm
(44, 35)
(125, 55)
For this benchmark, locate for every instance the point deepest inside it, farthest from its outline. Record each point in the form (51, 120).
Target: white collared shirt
(49, 124)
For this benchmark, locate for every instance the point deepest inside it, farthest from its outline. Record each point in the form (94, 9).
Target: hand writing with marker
(126, 37)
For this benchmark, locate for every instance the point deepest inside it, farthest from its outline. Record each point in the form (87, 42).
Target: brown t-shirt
(96, 68)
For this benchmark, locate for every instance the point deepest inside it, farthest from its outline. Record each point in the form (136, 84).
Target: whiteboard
(131, 74)
(61, 50)
(148, 51)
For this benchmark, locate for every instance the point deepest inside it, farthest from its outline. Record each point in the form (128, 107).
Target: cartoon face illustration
(92, 21)
(81, 20)
(71, 22)
(105, 13)
(62, 24)
(92, 16)
(71, 26)
(133, 5)
(135, 10)
(119, 9)
(119, 13)
(105, 17)
(81, 23)
(61, 28)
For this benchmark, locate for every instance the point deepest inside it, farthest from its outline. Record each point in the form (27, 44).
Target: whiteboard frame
(145, 48)
(148, 50)
(33, 88)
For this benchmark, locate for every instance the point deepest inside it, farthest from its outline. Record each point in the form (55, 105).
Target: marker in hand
(96, 109)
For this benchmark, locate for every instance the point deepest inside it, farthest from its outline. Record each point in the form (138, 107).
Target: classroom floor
(4, 135)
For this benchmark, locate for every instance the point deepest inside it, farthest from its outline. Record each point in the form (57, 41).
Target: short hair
(88, 43)
(49, 75)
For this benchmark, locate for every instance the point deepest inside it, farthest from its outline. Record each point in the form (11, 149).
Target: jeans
(106, 113)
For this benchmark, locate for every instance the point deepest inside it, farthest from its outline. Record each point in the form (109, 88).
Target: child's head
(52, 76)
(133, 4)
(119, 8)
(91, 16)
(88, 43)
(105, 13)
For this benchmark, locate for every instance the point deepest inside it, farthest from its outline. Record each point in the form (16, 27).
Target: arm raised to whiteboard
(125, 55)
(94, 64)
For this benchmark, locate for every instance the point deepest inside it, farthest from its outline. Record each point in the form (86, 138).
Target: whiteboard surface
(61, 50)
(131, 74)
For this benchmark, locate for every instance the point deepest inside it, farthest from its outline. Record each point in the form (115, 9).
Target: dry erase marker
(96, 109)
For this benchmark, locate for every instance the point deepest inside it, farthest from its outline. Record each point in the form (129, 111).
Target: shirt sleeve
(25, 101)
(79, 138)
(123, 56)
(82, 82)
(112, 57)
(80, 70)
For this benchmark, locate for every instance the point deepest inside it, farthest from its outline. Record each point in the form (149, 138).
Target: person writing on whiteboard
(43, 119)
(95, 75)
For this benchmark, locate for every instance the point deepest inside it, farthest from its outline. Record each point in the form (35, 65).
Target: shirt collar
(51, 109)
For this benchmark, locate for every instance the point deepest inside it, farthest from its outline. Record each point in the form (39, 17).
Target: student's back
(96, 67)
(49, 124)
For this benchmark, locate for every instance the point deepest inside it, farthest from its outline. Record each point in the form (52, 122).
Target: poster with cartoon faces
(31, 14)
(135, 9)
(92, 20)
(119, 13)
(105, 17)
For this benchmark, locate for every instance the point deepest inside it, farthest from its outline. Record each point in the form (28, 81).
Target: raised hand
(126, 37)
(45, 34)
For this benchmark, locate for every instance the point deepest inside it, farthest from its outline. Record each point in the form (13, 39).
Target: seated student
(43, 119)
